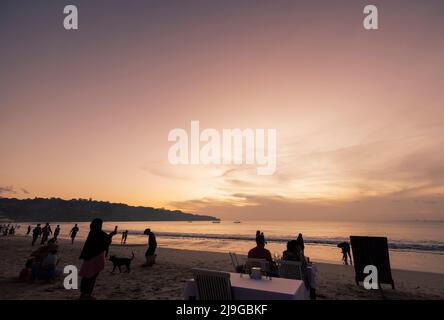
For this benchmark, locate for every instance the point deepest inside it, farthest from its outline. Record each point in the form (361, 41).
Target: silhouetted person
(300, 242)
(113, 233)
(56, 232)
(46, 231)
(48, 267)
(93, 255)
(26, 273)
(124, 237)
(73, 233)
(29, 230)
(345, 246)
(259, 252)
(294, 253)
(36, 233)
(152, 243)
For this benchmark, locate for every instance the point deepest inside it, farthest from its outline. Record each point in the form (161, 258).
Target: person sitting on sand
(73, 233)
(93, 255)
(39, 255)
(259, 252)
(48, 268)
(36, 233)
(26, 273)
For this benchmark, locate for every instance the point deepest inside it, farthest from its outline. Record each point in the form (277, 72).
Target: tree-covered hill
(55, 209)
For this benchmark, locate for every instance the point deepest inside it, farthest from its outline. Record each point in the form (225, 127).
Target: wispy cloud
(7, 190)
(280, 208)
(10, 190)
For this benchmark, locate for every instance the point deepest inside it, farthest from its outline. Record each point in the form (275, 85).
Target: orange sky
(359, 114)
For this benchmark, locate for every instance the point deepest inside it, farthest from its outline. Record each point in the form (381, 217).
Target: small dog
(119, 262)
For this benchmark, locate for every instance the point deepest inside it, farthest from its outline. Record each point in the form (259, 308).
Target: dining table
(267, 288)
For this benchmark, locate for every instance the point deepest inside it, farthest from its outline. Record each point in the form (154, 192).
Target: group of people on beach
(96, 249)
(45, 231)
(8, 229)
(294, 252)
(42, 264)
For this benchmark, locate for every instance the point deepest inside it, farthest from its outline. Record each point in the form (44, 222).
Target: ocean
(414, 245)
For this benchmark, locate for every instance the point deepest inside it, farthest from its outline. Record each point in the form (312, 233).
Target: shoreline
(189, 238)
(166, 279)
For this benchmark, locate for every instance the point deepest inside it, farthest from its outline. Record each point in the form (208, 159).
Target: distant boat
(236, 221)
(190, 221)
(217, 221)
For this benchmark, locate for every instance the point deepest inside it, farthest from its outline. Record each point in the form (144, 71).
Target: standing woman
(93, 256)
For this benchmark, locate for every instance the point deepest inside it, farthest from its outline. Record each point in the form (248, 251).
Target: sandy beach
(166, 279)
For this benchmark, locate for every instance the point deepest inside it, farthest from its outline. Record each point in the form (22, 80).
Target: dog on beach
(119, 262)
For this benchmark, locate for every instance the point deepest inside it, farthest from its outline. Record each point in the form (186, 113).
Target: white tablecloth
(244, 288)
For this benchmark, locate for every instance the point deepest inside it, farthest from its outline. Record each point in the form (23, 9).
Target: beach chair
(290, 269)
(235, 262)
(371, 251)
(212, 285)
(256, 263)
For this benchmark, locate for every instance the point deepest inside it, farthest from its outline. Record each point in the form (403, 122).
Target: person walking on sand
(56, 232)
(36, 233)
(73, 233)
(46, 231)
(345, 247)
(93, 255)
(124, 237)
(29, 230)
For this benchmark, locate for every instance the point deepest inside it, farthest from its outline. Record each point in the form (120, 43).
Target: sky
(359, 114)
